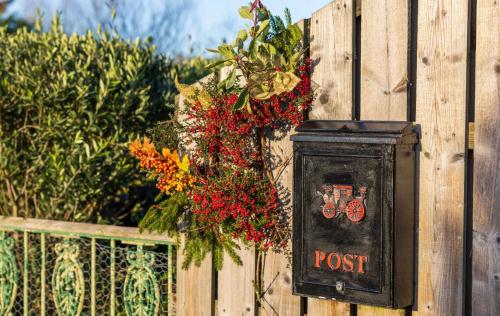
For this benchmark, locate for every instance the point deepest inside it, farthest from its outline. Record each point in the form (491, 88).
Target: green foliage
(265, 55)
(69, 105)
(170, 216)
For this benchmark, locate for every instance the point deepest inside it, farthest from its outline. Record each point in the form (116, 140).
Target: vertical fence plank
(92, 276)
(278, 298)
(43, 267)
(440, 111)
(236, 294)
(384, 50)
(112, 277)
(25, 273)
(194, 287)
(170, 280)
(486, 187)
(332, 57)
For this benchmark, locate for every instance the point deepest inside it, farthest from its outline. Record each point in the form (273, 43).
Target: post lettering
(320, 257)
(337, 261)
(348, 265)
(360, 264)
(334, 260)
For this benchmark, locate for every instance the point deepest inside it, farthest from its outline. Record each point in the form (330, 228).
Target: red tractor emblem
(339, 199)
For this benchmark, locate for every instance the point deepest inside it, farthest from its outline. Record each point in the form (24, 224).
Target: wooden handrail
(72, 229)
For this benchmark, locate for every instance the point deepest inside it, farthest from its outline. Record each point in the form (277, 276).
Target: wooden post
(486, 187)
(440, 112)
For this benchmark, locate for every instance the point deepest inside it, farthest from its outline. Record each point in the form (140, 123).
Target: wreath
(216, 177)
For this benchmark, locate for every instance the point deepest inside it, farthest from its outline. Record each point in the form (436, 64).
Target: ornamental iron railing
(72, 269)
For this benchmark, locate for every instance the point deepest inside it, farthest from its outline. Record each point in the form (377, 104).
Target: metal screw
(340, 286)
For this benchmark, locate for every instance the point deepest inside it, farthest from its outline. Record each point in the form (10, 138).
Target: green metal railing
(73, 269)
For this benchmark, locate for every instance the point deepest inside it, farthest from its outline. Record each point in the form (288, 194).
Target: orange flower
(172, 173)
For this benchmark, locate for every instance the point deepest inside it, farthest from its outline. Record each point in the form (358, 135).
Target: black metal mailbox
(353, 224)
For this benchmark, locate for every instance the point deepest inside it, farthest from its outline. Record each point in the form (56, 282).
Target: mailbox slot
(354, 211)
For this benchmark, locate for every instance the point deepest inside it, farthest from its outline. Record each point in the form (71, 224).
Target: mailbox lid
(381, 132)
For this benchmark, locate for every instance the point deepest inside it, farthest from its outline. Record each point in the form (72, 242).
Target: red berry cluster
(243, 206)
(233, 197)
(286, 108)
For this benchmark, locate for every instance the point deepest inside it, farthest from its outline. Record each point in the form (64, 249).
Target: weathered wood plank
(384, 75)
(236, 292)
(379, 311)
(332, 56)
(384, 51)
(277, 280)
(130, 234)
(278, 300)
(486, 187)
(441, 104)
(327, 308)
(194, 287)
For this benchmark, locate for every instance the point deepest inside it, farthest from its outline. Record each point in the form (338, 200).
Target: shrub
(69, 105)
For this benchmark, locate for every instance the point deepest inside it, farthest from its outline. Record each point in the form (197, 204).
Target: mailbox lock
(340, 286)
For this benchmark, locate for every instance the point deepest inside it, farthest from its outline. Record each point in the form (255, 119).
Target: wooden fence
(433, 62)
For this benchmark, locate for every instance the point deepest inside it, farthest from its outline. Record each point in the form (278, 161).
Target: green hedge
(69, 105)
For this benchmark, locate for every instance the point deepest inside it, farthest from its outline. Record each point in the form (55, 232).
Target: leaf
(246, 13)
(205, 99)
(215, 64)
(243, 35)
(87, 149)
(185, 90)
(284, 82)
(231, 79)
(166, 153)
(184, 165)
(260, 92)
(222, 84)
(242, 100)
(249, 108)
(227, 51)
(237, 43)
(213, 50)
(264, 25)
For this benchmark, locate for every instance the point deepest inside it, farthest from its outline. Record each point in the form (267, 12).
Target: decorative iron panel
(44, 273)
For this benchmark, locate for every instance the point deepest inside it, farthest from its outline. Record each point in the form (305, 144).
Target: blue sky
(220, 17)
(209, 21)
